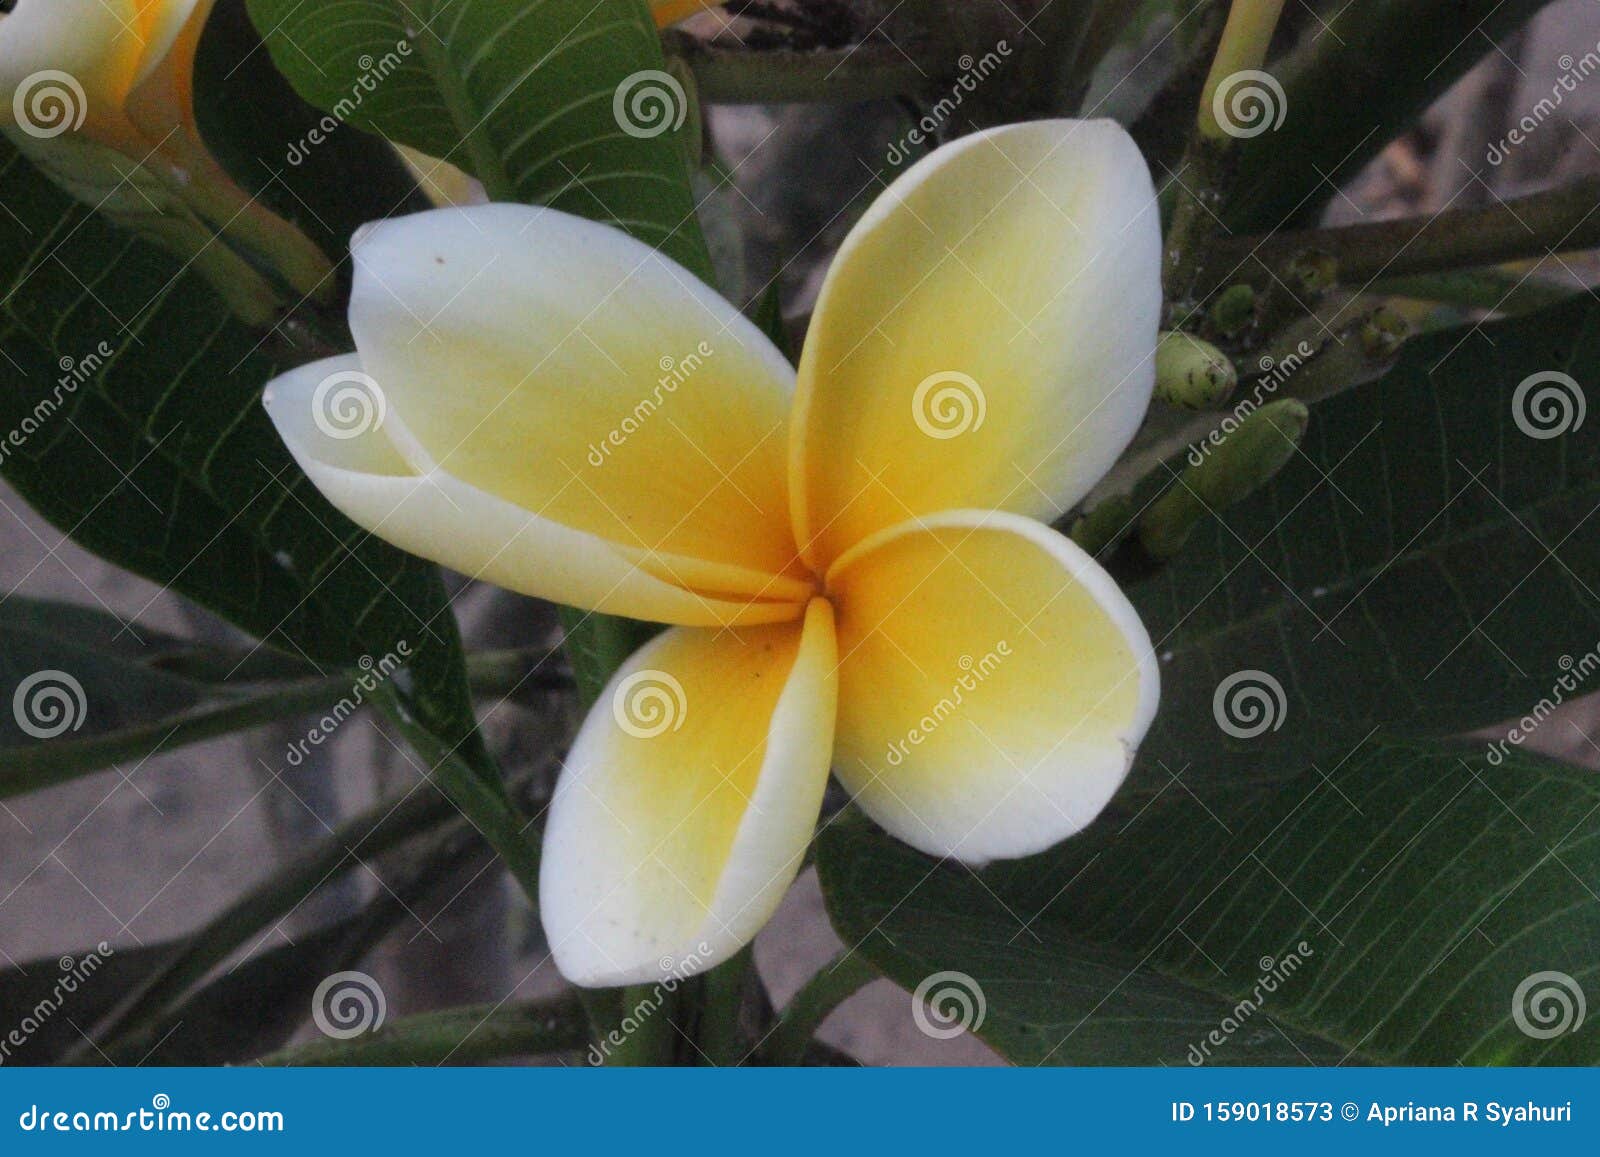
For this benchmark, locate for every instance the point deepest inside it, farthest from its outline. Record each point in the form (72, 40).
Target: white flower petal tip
(343, 429)
(688, 800)
(994, 683)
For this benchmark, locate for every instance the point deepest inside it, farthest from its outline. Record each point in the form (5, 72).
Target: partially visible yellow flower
(673, 11)
(443, 183)
(100, 95)
(856, 562)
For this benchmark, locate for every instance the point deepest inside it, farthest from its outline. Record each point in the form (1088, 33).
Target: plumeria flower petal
(99, 94)
(574, 397)
(983, 337)
(555, 407)
(688, 799)
(994, 683)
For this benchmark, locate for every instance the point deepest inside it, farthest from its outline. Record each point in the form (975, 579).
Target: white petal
(579, 375)
(352, 459)
(985, 338)
(993, 683)
(688, 800)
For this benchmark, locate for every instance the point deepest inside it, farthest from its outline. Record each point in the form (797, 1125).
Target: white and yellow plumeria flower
(856, 564)
(100, 95)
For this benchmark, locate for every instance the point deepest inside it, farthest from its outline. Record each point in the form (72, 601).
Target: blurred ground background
(147, 852)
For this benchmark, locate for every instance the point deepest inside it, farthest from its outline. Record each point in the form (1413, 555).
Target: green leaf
(106, 658)
(131, 404)
(258, 1005)
(1424, 566)
(86, 691)
(533, 99)
(455, 1036)
(169, 1017)
(297, 159)
(254, 1008)
(42, 1010)
(147, 1006)
(1388, 912)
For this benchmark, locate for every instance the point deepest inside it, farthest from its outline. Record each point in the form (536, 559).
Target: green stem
(1205, 171)
(644, 1036)
(1533, 226)
(721, 1029)
(522, 674)
(1245, 40)
(1208, 165)
(233, 665)
(1495, 288)
(455, 1036)
(597, 645)
(603, 1007)
(840, 979)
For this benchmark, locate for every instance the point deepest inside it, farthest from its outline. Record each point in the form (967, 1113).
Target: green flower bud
(1312, 273)
(1242, 463)
(1191, 373)
(1234, 309)
(1383, 331)
(1252, 455)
